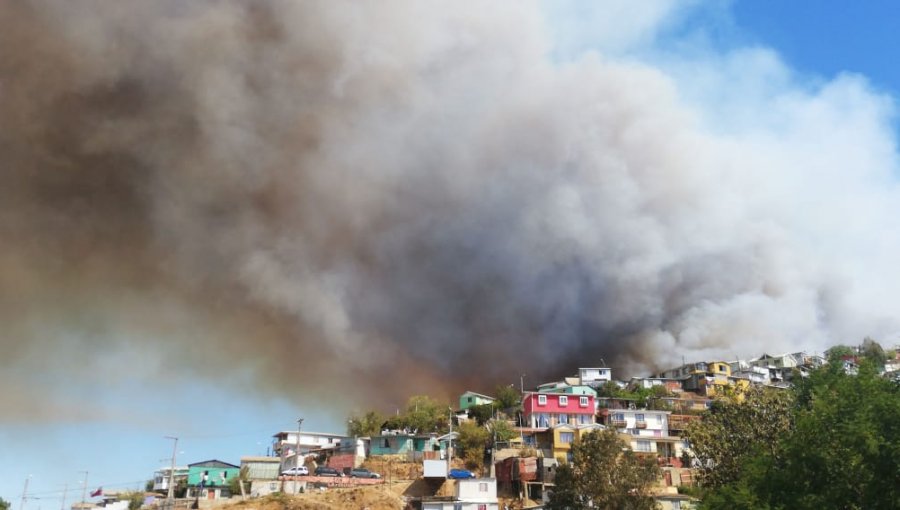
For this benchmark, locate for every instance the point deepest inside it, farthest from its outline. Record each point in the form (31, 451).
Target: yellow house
(565, 435)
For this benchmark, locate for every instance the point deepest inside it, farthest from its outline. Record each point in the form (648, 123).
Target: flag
(98, 492)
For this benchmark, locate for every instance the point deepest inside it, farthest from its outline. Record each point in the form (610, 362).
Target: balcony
(641, 424)
(618, 423)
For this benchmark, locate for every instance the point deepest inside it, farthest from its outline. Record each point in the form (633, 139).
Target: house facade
(469, 494)
(545, 410)
(472, 399)
(287, 441)
(162, 476)
(209, 479)
(414, 446)
(594, 377)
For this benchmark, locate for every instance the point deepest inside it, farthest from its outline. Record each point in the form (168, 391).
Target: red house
(544, 410)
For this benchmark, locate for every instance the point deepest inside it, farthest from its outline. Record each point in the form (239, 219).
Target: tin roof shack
(261, 468)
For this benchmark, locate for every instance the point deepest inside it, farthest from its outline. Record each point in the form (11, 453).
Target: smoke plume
(418, 196)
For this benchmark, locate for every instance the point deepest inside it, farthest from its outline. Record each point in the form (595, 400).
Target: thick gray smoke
(414, 194)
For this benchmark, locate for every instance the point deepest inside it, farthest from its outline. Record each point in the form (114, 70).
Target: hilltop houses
(649, 412)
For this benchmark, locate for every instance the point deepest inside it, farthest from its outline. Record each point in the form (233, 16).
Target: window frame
(563, 401)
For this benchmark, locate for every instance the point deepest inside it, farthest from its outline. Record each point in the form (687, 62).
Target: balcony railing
(640, 424)
(618, 423)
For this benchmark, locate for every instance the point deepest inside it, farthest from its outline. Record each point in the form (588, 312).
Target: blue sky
(814, 41)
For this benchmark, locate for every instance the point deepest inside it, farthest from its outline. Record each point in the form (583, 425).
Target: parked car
(461, 473)
(363, 473)
(327, 471)
(295, 471)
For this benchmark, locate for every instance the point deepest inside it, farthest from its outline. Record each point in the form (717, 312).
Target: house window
(563, 418)
(619, 417)
(676, 505)
(643, 446)
(563, 401)
(469, 399)
(639, 417)
(585, 419)
(542, 400)
(583, 401)
(566, 437)
(543, 420)
(385, 443)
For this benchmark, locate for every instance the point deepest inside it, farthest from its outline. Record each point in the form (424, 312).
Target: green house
(209, 479)
(472, 399)
(404, 444)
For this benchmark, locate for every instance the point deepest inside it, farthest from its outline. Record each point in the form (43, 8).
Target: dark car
(363, 473)
(327, 471)
(461, 473)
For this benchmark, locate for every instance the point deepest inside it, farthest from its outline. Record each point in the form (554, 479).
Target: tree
(473, 438)
(4, 505)
(234, 483)
(502, 430)
(482, 413)
(508, 397)
(366, 425)
(842, 452)
(425, 415)
(605, 474)
(872, 350)
(839, 351)
(734, 428)
(135, 500)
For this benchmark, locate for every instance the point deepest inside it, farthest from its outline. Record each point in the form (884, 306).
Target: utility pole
(62, 505)
(450, 442)
(25, 493)
(170, 496)
(297, 453)
(84, 487)
(522, 384)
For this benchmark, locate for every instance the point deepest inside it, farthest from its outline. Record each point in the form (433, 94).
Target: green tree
(843, 451)
(234, 483)
(604, 473)
(736, 427)
(473, 438)
(367, 425)
(4, 505)
(839, 351)
(135, 500)
(502, 430)
(425, 414)
(508, 397)
(482, 413)
(872, 350)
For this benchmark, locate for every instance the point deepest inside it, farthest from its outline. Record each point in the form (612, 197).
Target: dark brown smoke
(340, 195)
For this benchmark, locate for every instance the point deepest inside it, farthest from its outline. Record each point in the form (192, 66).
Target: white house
(594, 376)
(469, 494)
(309, 441)
(162, 475)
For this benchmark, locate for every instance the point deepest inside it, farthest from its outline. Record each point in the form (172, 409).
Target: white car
(295, 471)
